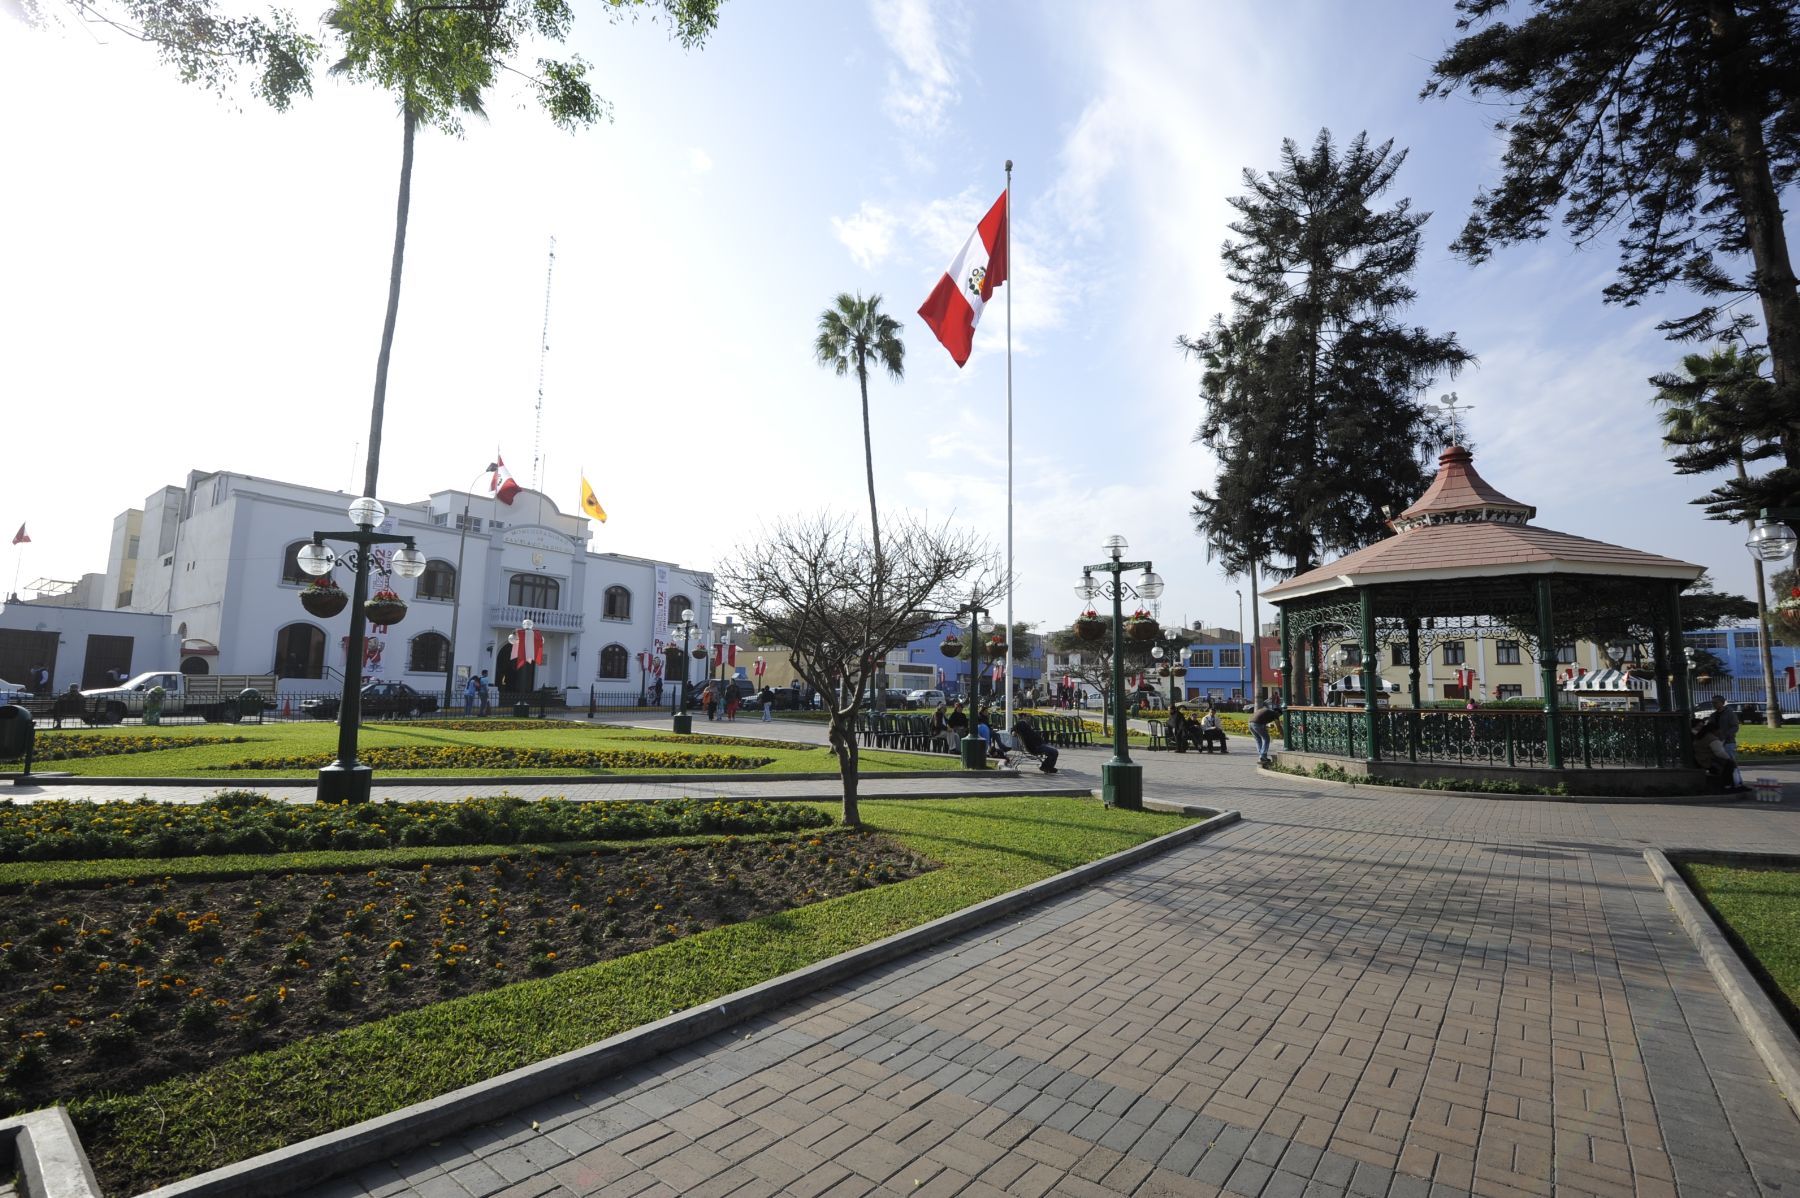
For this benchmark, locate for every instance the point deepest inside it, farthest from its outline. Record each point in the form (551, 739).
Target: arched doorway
(195, 665)
(300, 652)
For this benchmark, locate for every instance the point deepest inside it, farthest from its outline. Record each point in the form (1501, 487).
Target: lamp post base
(684, 724)
(1122, 785)
(974, 753)
(340, 785)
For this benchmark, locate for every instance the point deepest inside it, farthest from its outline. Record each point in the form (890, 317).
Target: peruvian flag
(528, 647)
(502, 484)
(19, 538)
(954, 307)
(724, 654)
(1793, 677)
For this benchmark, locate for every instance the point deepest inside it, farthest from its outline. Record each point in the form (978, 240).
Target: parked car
(12, 692)
(926, 698)
(378, 699)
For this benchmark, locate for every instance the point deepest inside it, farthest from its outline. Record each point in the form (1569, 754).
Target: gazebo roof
(1463, 528)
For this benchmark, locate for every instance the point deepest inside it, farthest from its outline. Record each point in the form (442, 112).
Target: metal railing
(1509, 737)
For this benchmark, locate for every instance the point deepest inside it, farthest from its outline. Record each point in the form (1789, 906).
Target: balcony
(508, 616)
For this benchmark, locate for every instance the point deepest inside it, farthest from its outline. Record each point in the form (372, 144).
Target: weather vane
(1454, 415)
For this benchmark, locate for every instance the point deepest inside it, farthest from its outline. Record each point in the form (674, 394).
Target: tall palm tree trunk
(409, 123)
(862, 378)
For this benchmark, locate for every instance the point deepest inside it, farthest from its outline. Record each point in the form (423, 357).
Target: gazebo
(1465, 562)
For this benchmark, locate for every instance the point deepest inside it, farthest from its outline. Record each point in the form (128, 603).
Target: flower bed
(57, 746)
(242, 822)
(114, 988)
(1772, 748)
(488, 757)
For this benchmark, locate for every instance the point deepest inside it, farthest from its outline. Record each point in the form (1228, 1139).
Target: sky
(190, 282)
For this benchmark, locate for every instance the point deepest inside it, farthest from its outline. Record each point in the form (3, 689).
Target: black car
(378, 699)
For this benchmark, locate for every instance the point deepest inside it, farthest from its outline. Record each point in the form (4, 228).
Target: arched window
(430, 654)
(438, 581)
(195, 665)
(615, 662)
(534, 590)
(677, 605)
(618, 603)
(291, 573)
(300, 652)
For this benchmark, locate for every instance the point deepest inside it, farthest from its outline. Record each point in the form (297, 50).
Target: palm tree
(852, 331)
(1705, 413)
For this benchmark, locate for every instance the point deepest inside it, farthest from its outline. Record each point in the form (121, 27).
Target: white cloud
(923, 87)
(868, 235)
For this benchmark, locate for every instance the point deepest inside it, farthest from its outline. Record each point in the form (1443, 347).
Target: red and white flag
(528, 647)
(1793, 677)
(954, 307)
(502, 484)
(20, 538)
(724, 654)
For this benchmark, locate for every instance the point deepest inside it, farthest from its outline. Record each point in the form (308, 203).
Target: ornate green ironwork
(1511, 737)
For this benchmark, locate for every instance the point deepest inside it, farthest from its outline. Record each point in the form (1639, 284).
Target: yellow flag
(589, 504)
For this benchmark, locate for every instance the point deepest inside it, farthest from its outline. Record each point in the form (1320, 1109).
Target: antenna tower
(537, 432)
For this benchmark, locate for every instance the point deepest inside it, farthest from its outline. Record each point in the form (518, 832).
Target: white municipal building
(203, 579)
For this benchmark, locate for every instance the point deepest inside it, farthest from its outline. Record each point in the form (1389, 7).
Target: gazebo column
(1684, 699)
(1370, 679)
(1412, 686)
(1287, 662)
(1547, 669)
(1315, 667)
(1659, 654)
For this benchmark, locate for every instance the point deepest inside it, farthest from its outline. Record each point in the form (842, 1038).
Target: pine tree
(1673, 126)
(1312, 385)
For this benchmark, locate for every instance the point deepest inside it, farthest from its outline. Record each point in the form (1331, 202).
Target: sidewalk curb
(1774, 1040)
(1671, 800)
(315, 1160)
(51, 1163)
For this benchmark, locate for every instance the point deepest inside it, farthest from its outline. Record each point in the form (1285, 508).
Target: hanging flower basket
(996, 644)
(384, 607)
(952, 646)
(1142, 626)
(1786, 613)
(324, 598)
(1089, 626)
(699, 654)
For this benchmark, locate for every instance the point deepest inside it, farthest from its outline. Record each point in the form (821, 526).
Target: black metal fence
(297, 706)
(1511, 737)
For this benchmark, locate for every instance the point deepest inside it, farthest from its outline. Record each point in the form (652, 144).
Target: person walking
(709, 699)
(471, 695)
(734, 699)
(766, 697)
(1260, 719)
(487, 702)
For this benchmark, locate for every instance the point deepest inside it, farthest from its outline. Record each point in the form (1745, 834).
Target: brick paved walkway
(1350, 993)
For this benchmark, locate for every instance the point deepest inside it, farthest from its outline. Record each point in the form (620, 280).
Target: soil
(112, 988)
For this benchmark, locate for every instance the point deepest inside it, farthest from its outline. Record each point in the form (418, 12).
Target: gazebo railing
(1504, 737)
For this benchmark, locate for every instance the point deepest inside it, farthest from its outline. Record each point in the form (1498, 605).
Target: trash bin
(250, 704)
(684, 724)
(974, 753)
(17, 735)
(521, 710)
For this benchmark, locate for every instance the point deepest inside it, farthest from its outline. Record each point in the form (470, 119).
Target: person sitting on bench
(1026, 733)
(1212, 733)
(1178, 728)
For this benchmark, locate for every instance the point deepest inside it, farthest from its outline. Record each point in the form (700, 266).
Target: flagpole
(1010, 267)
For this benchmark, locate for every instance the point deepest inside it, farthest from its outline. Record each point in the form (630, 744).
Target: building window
(1507, 653)
(1351, 654)
(1565, 654)
(677, 605)
(300, 652)
(534, 590)
(291, 573)
(430, 654)
(1509, 690)
(1402, 655)
(1453, 653)
(615, 662)
(618, 603)
(1705, 640)
(438, 581)
(1203, 659)
(1231, 659)
(1749, 640)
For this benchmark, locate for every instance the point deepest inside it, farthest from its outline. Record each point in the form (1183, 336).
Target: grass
(256, 1103)
(193, 752)
(1760, 909)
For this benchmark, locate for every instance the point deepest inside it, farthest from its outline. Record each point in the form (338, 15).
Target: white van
(926, 698)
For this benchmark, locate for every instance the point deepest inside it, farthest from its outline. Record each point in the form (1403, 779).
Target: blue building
(1218, 666)
(921, 665)
(1740, 648)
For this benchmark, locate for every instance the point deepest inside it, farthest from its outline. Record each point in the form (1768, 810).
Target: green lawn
(253, 1104)
(1761, 908)
(289, 740)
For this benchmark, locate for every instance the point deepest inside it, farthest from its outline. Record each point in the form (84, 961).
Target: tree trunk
(862, 378)
(1760, 205)
(843, 743)
(408, 123)
(1771, 700)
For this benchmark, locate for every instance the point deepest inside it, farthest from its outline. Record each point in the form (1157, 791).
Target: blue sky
(192, 283)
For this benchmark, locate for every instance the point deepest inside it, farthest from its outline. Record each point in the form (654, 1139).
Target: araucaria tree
(438, 61)
(818, 587)
(1673, 126)
(854, 332)
(1312, 385)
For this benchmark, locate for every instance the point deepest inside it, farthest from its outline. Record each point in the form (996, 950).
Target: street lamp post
(683, 722)
(1167, 654)
(347, 780)
(1122, 780)
(462, 539)
(974, 749)
(724, 651)
(1771, 540)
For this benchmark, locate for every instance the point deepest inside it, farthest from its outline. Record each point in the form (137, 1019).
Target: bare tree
(818, 586)
(1096, 662)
